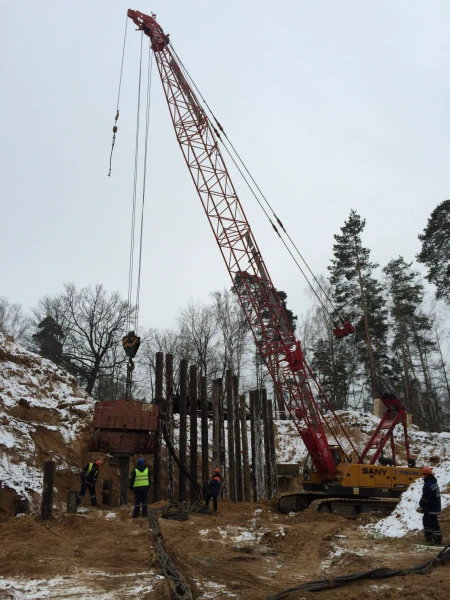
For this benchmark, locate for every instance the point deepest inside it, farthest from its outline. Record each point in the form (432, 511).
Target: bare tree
(198, 332)
(168, 341)
(13, 321)
(233, 329)
(93, 323)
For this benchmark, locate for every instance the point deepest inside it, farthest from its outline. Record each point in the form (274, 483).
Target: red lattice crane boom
(281, 351)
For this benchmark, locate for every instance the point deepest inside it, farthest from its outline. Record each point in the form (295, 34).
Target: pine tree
(360, 297)
(435, 253)
(412, 342)
(289, 313)
(49, 339)
(331, 366)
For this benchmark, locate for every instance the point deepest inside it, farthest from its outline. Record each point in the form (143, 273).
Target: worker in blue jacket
(430, 506)
(140, 484)
(213, 489)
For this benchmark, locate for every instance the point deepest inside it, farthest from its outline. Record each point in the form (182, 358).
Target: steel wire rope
(263, 196)
(278, 233)
(118, 97)
(147, 121)
(258, 200)
(133, 212)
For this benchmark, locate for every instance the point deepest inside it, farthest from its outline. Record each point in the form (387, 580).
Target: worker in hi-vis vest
(140, 484)
(88, 479)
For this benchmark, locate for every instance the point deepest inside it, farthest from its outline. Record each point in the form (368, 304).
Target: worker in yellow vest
(140, 484)
(88, 479)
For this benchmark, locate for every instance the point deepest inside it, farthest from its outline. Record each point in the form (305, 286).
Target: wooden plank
(267, 456)
(217, 386)
(230, 437)
(107, 492)
(204, 429)
(124, 462)
(170, 427)
(182, 453)
(157, 459)
(71, 503)
(193, 430)
(245, 461)
(258, 464)
(273, 452)
(47, 490)
(237, 441)
(253, 443)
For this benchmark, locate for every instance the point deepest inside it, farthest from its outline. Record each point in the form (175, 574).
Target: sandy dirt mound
(44, 415)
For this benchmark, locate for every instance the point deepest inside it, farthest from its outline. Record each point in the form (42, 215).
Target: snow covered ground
(83, 584)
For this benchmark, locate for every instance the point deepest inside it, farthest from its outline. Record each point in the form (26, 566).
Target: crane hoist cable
(279, 222)
(131, 341)
(147, 121)
(135, 177)
(118, 98)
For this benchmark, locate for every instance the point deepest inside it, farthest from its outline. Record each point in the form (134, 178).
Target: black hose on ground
(178, 511)
(381, 573)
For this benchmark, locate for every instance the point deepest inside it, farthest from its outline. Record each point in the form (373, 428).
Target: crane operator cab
(311, 478)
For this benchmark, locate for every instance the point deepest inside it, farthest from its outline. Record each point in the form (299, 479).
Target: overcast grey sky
(333, 104)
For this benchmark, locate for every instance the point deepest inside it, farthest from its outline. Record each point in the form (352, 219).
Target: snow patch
(405, 518)
(84, 584)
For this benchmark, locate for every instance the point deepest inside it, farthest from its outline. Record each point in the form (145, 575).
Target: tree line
(398, 339)
(397, 345)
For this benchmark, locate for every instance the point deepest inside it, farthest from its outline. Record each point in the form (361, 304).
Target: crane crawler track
(352, 507)
(345, 507)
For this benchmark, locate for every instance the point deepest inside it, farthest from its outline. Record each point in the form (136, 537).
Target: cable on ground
(381, 573)
(181, 590)
(177, 511)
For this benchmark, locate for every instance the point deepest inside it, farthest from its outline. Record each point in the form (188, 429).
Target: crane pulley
(130, 344)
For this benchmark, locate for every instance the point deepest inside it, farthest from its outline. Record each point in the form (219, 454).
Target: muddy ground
(247, 551)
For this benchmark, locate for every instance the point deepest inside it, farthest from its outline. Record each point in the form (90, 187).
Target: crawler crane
(336, 477)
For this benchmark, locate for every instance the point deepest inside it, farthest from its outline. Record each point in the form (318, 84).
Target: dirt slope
(44, 415)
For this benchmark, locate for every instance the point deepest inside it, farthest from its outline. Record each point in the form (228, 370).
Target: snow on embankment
(426, 448)
(405, 518)
(42, 414)
(432, 449)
